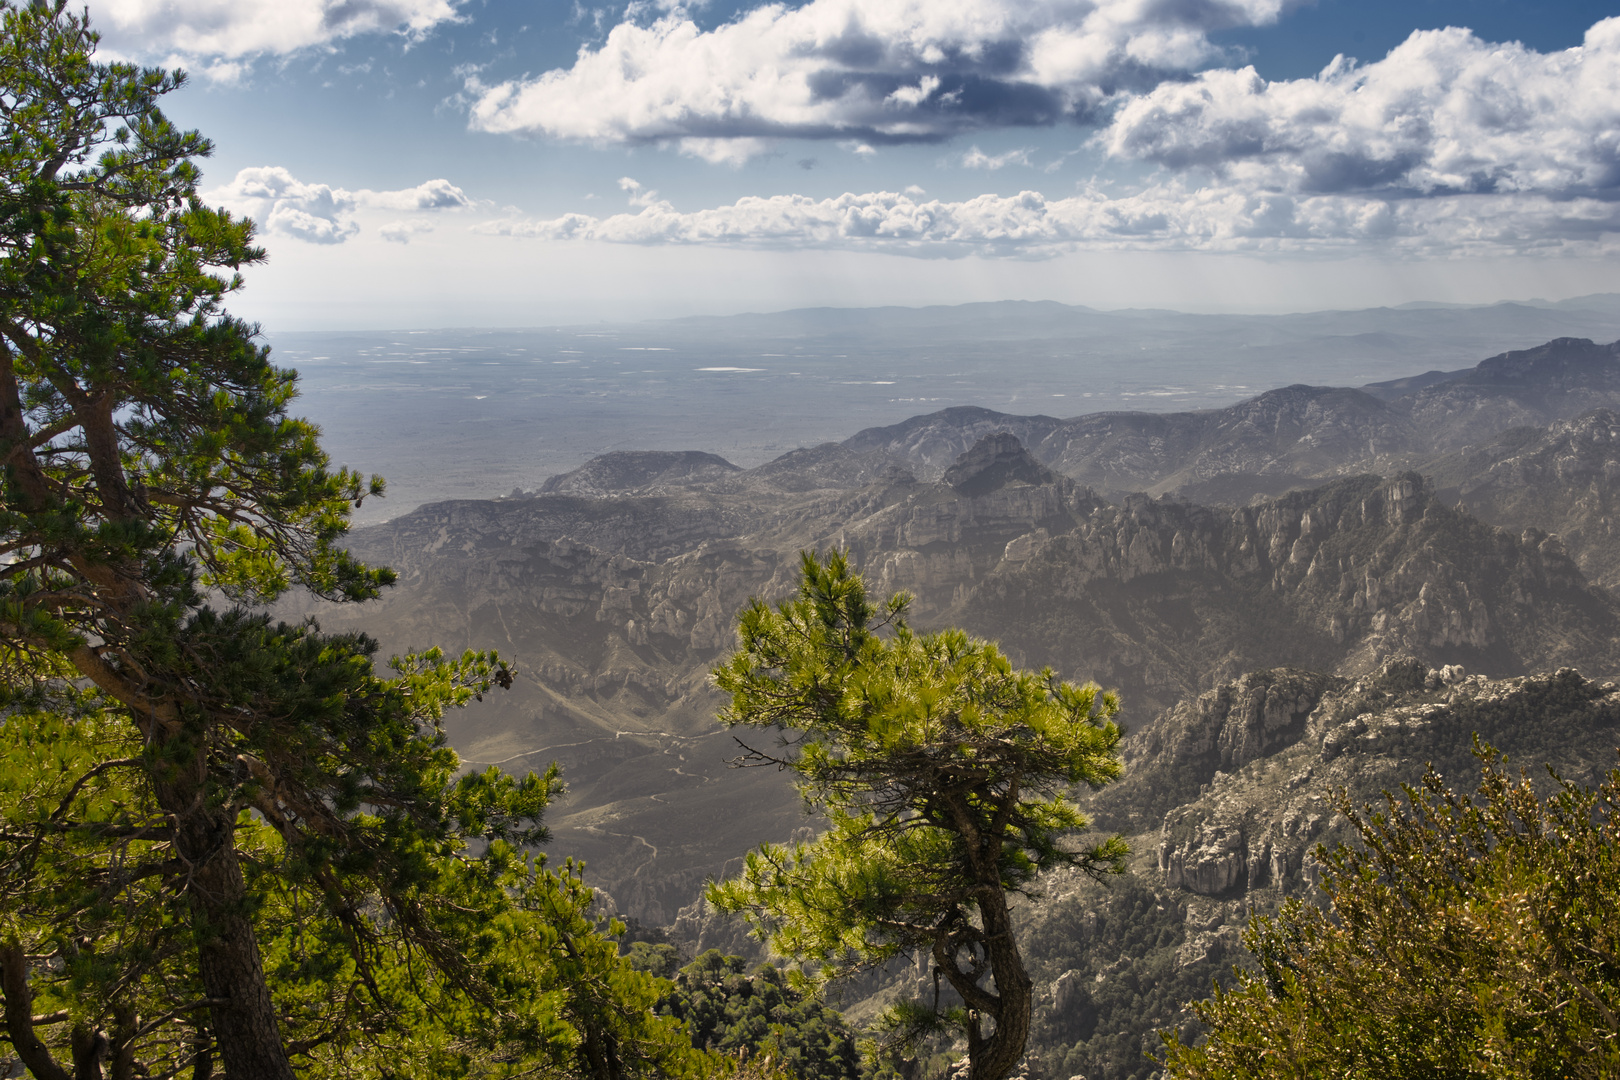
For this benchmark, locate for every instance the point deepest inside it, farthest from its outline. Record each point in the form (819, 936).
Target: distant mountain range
(1316, 586)
(478, 413)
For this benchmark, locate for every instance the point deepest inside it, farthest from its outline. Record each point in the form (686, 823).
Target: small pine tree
(943, 772)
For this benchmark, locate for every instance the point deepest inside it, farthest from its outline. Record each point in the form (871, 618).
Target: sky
(438, 163)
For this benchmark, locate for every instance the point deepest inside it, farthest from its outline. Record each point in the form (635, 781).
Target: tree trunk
(601, 1055)
(20, 1014)
(125, 1023)
(89, 1049)
(245, 1028)
(995, 1057)
(202, 1061)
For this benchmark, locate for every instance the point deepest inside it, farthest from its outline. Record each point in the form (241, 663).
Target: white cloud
(246, 28)
(636, 193)
(1172, 215)
(285, 205)
(320, 214)
(871, 71)
(400, 232)
(433, 195)
(978, 159)
(732, 152)
(290, 219)
(1444, 113)
(912, 96)
(1449, 146)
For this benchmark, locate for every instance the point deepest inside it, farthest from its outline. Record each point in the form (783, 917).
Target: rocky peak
(639, 472)
(925, 444)
(994, 462)
(1557, 362)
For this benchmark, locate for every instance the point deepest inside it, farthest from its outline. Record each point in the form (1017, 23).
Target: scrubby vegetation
(1461, 936)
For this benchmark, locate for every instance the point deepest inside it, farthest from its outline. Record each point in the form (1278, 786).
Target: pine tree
(943, 774)
(227, 839)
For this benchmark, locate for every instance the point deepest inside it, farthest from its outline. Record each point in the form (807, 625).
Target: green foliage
(1465, 936)
(222, 837)
(397, 955)
(659, 959)
(760, 1014)
(943, 773)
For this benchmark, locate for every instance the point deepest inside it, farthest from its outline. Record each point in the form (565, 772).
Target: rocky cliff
(1162, 598)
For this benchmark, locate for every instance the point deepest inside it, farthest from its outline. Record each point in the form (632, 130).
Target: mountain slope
(1562, 479)
(614, 609)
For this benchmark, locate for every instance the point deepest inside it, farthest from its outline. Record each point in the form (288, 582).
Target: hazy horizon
(477, 412)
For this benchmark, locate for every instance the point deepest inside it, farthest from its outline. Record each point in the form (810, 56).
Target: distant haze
(476, 413)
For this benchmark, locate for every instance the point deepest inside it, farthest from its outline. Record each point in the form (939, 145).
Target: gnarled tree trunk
(228, 961)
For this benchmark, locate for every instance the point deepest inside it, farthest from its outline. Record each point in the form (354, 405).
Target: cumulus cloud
(400, 232)
(636, 193)
(872, 71)
(1171, 215)
(286, 206)
(1443, 114)
(244, 28)
(1448, 146)
(432, 195)
(978, 159)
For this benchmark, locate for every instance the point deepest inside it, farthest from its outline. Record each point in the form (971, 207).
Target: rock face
(1172, 760)
(1335, 579)
(1115, 962)
(1252, 828)
(994, 462)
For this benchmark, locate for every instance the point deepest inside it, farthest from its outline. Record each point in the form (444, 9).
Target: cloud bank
(878, 71)
(283, 205)
(234, 29)
(1448, 145)
(1443, 114)
(1172, 215)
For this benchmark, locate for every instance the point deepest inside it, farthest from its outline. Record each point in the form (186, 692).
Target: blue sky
(480, 162)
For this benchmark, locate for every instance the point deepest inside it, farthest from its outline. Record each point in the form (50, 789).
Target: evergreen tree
(227, 839)
(1462, 937)
(757, 1013)
(942, 772)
